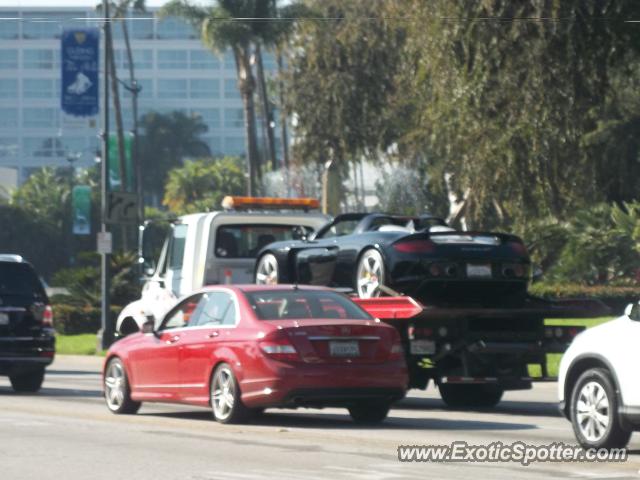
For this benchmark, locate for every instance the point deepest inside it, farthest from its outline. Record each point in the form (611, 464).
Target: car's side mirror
(633, 311)
(149, 326)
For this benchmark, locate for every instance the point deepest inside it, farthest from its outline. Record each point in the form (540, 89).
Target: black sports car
(375, 254)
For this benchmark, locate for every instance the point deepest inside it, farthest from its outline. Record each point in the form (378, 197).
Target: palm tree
(230, 24)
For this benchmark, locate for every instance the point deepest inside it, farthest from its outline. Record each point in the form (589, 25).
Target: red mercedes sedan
(241, 349)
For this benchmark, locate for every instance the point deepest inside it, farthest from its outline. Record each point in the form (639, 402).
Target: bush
(616, 298)
(76, 319)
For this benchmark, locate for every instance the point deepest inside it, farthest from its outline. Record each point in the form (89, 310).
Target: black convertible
(374, 254)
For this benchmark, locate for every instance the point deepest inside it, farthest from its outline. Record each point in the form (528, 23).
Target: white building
(175, 70)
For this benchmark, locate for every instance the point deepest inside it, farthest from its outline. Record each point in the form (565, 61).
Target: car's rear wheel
(470, 396)
(28, 382)
(370, 274)
(117, 392)
(226, 403)
(369, 412)
(594, 412)
(267, 270)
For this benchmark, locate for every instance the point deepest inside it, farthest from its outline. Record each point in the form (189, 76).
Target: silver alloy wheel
(370, 275)
(592, 411)
(267, 271)
(114, 385)
(223, 393)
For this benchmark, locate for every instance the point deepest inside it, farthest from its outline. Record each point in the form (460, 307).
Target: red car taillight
(519, 248)
(47, 317)
(415, 246)
(279, 348)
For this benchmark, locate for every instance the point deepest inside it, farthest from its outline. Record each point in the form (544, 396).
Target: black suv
(27, 342)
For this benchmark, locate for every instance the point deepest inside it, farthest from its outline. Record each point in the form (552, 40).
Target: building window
(46, 24)
(210, 117)
(229, 60)
(141, 26)
(215, 145)
(233, 118)
(40, 118)
(41, 59)
(10, 29)
(43, 147)
(8, 88)
(39, 88)
(172, 59)
(174, 28)
(231, 88)
(205, 88)
(8, 147)
(142, 59)
(234, 145)
(8, 59)
(8, 117)
(172, 88)
(204, 60)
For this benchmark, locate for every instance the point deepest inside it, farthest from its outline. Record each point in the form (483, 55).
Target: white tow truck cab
(213, 248)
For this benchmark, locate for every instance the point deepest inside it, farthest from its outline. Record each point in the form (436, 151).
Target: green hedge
(73, 319)
(616, 298)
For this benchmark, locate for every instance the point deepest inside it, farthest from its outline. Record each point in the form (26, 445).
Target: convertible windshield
(303, 304)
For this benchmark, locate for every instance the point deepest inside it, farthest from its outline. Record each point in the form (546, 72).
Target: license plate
(344, 349)
(4, 319)
(422, 347)
(478, 271)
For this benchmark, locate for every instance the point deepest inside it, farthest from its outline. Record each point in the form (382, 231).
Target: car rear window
(245, 241)
(19, 279)
(303, 304)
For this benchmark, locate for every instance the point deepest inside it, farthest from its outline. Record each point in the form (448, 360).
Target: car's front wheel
(470, 396)
(27, 382)
(117, 392)
(267, 270)
(594, 411)
(370, 274)
(369, 412)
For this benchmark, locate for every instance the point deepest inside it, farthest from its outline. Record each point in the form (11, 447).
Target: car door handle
(173, 339)
(213, 334)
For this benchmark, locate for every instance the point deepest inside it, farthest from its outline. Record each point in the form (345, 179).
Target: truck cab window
(176, 247)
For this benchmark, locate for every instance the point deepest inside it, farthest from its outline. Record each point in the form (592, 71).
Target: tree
(200, 185)
(341, 78)
(230, 24)
(165, 140)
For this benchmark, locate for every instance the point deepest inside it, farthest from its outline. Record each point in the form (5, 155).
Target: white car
(598, 382)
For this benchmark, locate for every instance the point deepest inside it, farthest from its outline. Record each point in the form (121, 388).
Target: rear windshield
(303, 304)
(19, 279)
(245, 241)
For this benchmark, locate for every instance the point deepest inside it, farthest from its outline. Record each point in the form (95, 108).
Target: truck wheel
(594, 412)
(27, 382)
(470, 396)
(369, 412)
(370, 274)
(267, 270)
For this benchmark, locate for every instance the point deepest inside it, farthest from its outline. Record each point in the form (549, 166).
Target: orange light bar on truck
(238, 203)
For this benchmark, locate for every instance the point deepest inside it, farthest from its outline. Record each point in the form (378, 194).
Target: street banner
(80, 61)
(114, 164)
(81, 209)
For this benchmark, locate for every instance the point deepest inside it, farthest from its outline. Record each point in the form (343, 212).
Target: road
(65, 432)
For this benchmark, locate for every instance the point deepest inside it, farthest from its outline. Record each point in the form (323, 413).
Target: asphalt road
(65, 432)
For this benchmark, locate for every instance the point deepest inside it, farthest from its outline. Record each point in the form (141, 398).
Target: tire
(370, 274)
(470, 396)
(226, 404)
(267, 270)
(369, 413)
(117, 393)
(594, 411)
(28, 382)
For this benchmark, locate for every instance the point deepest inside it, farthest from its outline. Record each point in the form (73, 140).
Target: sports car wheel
(267, 270)
(370, 274)
(116, 389)
(225, 397)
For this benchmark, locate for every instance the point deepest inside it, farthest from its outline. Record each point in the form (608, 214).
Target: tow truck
(210, 248)
(474, 355)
